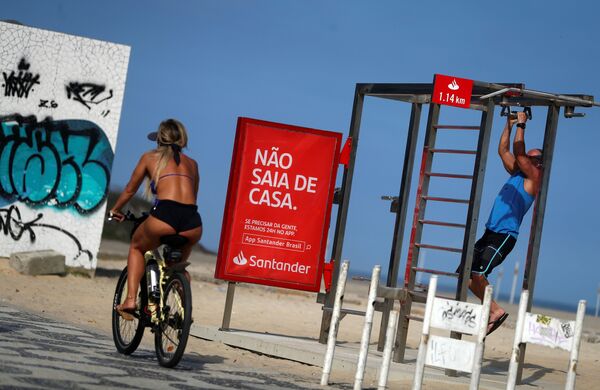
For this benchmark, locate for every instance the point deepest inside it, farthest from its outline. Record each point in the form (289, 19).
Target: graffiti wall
(60, 104)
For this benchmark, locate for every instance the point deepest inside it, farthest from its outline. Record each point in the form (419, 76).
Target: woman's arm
(131, 188)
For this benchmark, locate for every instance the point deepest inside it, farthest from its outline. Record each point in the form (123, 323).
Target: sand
(87, 302)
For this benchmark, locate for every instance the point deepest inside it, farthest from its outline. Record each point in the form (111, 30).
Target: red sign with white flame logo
(452, 91)
(278, 205)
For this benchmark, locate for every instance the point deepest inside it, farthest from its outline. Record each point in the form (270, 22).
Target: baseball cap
(152, 136)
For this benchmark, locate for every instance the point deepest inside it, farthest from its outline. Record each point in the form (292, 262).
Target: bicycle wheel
(127, 335)
(172, 334)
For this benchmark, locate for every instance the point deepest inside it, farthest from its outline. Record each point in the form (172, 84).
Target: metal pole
(228, 305)
(422, 259)
(387, 350)
(466, 259)
(498, 283)
(405, 182)
(572, 371)
(335, 320)
(420, 366)
(535, 236)
(513, 368)
(340, 226)
(597, 301)
(514, 284)
(413, 250)
(480, 345)
(366, 334)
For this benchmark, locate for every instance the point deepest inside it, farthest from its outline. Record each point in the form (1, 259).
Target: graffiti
(47, 104)
(87, 93)
(64, 164)
(21, 83)
(105, 113)
(567, 329)
(549, 331)
(461, 314)
(11, 224)
(542, 319)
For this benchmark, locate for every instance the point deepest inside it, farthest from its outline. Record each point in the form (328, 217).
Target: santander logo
(453, 85)
(240, 259)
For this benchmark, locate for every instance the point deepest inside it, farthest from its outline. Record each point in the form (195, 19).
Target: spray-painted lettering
(21, 83)
(54, 163)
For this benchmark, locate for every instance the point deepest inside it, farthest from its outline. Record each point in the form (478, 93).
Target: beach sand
(88, 302)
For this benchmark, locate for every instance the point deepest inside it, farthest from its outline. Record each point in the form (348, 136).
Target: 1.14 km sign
(452, 91)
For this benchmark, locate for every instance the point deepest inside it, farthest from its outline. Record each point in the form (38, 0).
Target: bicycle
(164, 302)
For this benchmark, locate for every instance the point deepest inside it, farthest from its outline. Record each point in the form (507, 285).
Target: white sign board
(548, 331)
(459, 316)
(450, 353)
(60, 105)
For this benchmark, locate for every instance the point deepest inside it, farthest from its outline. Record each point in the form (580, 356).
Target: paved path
(36, 352)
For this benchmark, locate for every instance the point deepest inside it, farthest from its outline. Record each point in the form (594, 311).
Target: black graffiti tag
(11, 224)
(47, 104)
(461, 314)
(87, 93)
(21, 83)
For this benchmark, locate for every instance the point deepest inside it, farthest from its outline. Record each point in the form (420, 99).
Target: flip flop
(496, 324)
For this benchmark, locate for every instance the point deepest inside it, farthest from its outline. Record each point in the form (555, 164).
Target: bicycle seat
(174, 240)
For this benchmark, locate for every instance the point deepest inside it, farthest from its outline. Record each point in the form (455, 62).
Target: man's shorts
(490, 251)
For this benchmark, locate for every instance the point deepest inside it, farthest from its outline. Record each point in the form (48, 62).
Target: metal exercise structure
(485, 97)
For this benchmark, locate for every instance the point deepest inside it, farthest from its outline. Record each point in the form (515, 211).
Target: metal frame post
(535, 236)
(407, 171)
(340, 227)
(483, 143)
(405, 306)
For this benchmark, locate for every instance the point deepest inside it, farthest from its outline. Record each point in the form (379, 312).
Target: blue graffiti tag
(63, 163)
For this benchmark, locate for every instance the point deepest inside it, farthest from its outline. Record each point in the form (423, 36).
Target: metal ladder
(418, 293)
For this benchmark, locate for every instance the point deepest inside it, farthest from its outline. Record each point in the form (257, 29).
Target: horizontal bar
(551, 96)
(435, 272)
(450, 200)
(453, 151)
(391, 292)
(421, 296)
(449, 175)
(415, 318)
(440, 248)
(455, 127)
(346, 311)
(440, 223)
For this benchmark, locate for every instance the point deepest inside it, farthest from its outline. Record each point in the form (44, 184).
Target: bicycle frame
(164, 272)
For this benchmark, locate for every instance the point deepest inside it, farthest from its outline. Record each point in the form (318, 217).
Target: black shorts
(490, 251)
(179, 216)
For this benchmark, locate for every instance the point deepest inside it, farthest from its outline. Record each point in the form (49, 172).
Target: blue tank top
(510, 206)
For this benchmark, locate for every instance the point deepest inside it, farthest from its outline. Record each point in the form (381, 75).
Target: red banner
(278, 205)
(452, 91)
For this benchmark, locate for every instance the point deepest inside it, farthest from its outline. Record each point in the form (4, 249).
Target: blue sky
(297, 62)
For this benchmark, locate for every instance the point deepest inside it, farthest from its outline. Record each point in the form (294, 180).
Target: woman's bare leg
(193, 237)
(146, 237)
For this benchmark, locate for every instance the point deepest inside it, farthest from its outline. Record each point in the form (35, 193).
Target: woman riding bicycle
(173, 179)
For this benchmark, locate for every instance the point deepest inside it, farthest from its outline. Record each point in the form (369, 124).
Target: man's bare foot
(495, 321)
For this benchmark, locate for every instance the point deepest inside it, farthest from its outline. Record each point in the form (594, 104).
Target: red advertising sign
(278, 205)
(452, 91)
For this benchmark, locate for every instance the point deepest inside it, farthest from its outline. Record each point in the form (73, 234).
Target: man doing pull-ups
(511, 205)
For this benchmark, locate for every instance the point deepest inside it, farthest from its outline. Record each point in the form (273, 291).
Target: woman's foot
(127, 308)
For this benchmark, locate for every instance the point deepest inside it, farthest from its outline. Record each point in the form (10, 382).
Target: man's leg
(477, 285)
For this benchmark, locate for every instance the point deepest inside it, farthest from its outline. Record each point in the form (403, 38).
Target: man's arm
(508, 159)
(523, 162)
